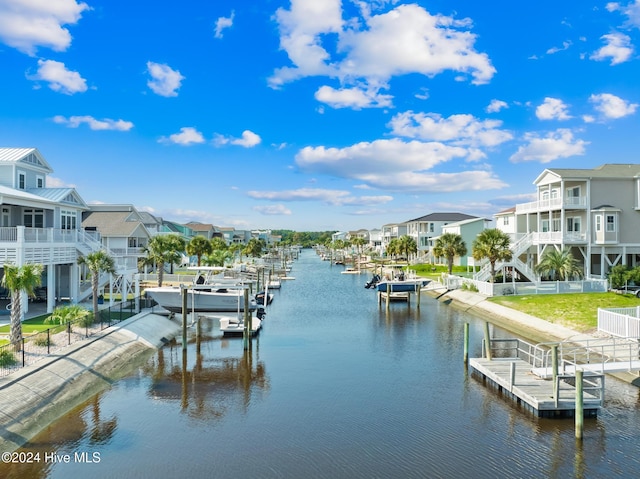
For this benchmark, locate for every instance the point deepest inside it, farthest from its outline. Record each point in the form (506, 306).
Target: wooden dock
(514, 378)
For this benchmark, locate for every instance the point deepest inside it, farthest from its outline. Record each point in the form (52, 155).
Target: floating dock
(513, 378)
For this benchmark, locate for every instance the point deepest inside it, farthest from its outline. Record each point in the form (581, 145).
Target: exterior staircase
(517, 248)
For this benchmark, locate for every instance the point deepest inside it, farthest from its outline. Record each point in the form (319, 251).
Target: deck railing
(620, 322)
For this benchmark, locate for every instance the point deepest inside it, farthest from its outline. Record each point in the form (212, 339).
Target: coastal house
(426, 228)
(39, 224)
(122, 233)
(595, 213)
(468, 229)
(391, 231)
(205, 229)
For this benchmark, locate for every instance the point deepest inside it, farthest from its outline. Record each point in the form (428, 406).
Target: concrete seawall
(35, 396)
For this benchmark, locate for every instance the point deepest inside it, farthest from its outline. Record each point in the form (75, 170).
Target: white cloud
(372, 49)
(272, 210)
(618, 47)
(248, 140)
(459, 129)
(27, 25)
(53, 182)
(552, 109)
(355, 98)
(164, 80)
(59, 78)
(396, 165)
(632, 11)
(187, 136)
(565, 46)
(496, 105)
(332, 197)
(556, 144)
(223, 23)
(611, 106)
(93, 123)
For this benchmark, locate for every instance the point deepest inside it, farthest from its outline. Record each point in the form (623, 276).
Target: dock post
(418, 291)
(379, 298)
(579, 405)
(512, 375)
(554, 362)
(409, 299)
(184, 292)
(388, 295)
(466, 343)
(487, 341)
(246, 332)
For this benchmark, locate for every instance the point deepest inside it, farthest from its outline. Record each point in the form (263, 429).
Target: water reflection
(207, 386)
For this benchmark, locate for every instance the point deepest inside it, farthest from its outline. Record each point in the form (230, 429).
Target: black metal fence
(37, 346)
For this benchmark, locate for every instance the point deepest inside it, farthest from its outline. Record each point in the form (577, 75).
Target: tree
(359, 242)
(97, 262)
(492, 244)
(19, 279)
(236, 248)
(407, 245)
(558, 265)
(393, 248)
(218, 243)
(448, 246)
(163, 249)
(68, 314)
(199, 246)
(254, 247)
(217, 257)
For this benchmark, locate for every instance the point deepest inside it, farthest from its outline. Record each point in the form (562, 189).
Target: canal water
(334, 387)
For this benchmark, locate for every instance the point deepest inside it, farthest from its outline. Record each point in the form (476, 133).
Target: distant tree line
(305, 239)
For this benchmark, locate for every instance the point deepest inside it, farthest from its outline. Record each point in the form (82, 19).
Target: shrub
(42, 339)
(7, 358)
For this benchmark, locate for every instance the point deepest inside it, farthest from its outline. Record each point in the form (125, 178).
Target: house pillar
(51, 288)
(74, 280)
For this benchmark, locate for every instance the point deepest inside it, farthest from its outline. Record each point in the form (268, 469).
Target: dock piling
(487, 341)
(579, 405)
(184, 292)
(466, 343)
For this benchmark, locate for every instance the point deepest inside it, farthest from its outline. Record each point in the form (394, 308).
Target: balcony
(568, 203)
(559, 237)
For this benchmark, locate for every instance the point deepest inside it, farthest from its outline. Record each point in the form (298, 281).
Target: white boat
(209, 292)
(201, 298)
(351, 271)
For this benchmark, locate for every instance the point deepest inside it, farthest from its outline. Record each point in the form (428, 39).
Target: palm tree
(254, 247)
(492, 244)
(407, 245)
(449, 245)
(236, 248)
(97, 262)
(558, 265)
(199, 246)
(217, 257)
(163, 249)
(19, 279)
(393, 248)
(218, 243)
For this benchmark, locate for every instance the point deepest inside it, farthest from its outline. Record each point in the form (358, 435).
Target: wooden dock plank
(534, 391)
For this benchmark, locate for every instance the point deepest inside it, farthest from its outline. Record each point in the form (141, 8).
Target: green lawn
(33, 325)
(575, 311)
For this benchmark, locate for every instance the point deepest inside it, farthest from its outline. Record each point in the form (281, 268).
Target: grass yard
(33, 325)
(575, 311)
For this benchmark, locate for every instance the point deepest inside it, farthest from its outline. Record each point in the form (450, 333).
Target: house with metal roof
(42, 225)
(595, 213)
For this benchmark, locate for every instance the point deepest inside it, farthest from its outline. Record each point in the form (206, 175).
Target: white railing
(531, 288)
(620, 322)
(558, 237)
(552, 204)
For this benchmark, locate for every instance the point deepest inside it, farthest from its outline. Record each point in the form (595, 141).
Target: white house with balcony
(42, 225)
(425, 229)
(593, 212)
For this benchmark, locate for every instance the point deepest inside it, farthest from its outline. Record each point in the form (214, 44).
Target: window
(33, 218)
(556, 224)
(430, 227)
(505, 221)
(67, 220)
(611, 223)
(39, 181)
(545, 195)
(545, 226)
(573, 192)
(573, 224)
(554, 193)
(598, 222)
(22, 180)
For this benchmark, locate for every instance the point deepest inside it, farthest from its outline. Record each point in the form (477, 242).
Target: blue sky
(318, 114)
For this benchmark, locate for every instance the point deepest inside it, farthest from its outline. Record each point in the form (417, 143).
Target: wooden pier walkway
(514, 378)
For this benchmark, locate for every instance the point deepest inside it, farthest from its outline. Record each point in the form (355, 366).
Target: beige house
(593, 212)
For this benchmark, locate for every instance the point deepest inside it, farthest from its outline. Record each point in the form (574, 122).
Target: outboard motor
(261, 313)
